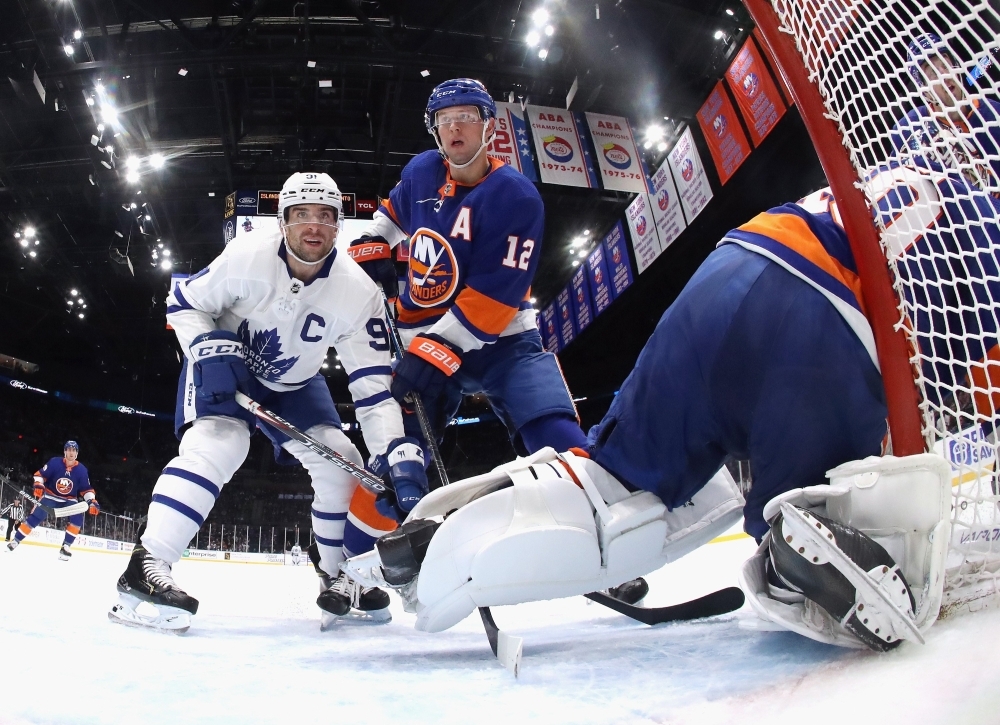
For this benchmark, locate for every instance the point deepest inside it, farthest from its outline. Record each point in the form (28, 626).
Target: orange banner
(723, 133)
(755, 92)
(762, 45)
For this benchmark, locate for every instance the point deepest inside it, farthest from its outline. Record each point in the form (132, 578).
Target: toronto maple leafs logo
(263, 353)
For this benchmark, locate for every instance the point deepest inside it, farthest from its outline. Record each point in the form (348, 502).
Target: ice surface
(254, 654)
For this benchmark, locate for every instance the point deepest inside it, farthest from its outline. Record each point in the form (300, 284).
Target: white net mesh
(913, 88)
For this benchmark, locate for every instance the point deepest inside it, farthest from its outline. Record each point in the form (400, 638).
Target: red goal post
(872, 101)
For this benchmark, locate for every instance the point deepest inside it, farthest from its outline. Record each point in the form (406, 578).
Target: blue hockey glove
(219, 369)
(425, 368)
(403, 463)
(374, 256)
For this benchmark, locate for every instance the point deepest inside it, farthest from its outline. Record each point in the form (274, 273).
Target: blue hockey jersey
(473, 250)
(64, 480)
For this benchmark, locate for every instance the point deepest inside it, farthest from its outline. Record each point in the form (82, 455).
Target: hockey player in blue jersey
(956, 128)
(61, 482)
(765, 355)
(260, 319)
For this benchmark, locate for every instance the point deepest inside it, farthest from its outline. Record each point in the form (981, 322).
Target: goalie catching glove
(425, 368)
(374, 256)
(402, 467)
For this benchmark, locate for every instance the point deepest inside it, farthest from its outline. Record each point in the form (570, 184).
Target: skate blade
(353, 618)
(168, 619)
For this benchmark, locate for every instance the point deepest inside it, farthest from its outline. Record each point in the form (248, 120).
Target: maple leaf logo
(263, 353)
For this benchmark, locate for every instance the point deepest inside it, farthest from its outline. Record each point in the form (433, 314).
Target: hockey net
(907, 92)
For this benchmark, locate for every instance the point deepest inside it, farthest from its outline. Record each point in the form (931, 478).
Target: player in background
(59, 483)
(296, 553)
(14, 513)
(765, 355)
(475, 227)
(955, 129)
(260, 319)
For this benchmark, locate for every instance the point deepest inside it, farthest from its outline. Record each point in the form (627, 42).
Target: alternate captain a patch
(433, 272)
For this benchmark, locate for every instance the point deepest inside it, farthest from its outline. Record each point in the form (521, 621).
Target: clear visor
(327, 217)
(449, 116)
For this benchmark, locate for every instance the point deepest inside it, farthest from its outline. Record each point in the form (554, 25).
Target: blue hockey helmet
(921, 49)
(71, 444)
(459, 92)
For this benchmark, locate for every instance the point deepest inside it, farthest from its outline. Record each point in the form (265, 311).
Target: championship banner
(761, 43)
(512, 144)
(721, 127)
(564, 319)
(666, 205)
(619, 264)
(599, 279)
(755, 92)
(645, 240)
(617, 155)
(582, 312)
(550, 337)
(689, 173)
(587, 144)
(559, 147)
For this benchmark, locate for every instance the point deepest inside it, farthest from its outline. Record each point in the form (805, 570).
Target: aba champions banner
(580, 297)
(559, 147)
(616, 256)
(599, 279)
(723, 134)
(755, 92)
(689, 175)
(645, 240)
(513, 143)
(665, 204)
(617, 155)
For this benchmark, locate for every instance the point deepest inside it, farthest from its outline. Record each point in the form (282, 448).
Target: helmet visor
(449, 116)
(314, 214)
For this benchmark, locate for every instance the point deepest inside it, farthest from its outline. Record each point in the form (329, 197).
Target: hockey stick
(418, 403)
(719, 602)
(77, 508)
(368, 480)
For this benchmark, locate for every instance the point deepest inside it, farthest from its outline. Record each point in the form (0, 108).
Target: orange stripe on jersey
(794, 233)
(72, 529)
(24, 528)
(387, 203)
(412, 317)
(363, 508)
(484, 312)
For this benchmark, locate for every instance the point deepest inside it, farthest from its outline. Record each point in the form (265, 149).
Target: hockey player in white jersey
(260, 320)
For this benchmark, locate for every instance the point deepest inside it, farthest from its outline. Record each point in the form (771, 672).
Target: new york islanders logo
(616, 253)
(616, 155)
(565, 312)
(640, 225)
(751, 85)
(433, 272)
(720, 124)
(557, 148)
(64, 486)
(551, 326)
(687, 170)
(663, 199)
(598, 275)
(579, 295)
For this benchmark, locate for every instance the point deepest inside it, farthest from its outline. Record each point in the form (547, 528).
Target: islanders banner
(564, 319)
(645, 240)
(600, 280)
(559, 147)
(689, 173)
(617, 155)
(582, 311)
(726, 141)
(755, 92)
(619, 264)
(550, 337)
(512, 143)
(665, 204)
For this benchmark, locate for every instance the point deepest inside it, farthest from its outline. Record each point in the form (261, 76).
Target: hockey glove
(38, 491)
(95, 508)
(219, 369)
(374, 256)
(403, 463)
(425, 368)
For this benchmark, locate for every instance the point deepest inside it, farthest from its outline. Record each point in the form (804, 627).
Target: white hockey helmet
(310, 188)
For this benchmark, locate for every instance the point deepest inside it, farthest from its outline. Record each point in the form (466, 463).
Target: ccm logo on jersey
(433, 272)
(437, 355)
(64, 486)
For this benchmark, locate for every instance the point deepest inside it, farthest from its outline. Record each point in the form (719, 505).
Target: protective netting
(913, 88)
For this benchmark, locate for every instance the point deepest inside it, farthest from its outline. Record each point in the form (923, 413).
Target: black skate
(64, 553)
(148, 579)
(343, 599)
(12, 544)
(631, 592)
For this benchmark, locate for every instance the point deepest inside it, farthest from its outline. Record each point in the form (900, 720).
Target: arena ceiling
(240, 94)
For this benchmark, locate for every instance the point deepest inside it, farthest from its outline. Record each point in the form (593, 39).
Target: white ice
(255, 655)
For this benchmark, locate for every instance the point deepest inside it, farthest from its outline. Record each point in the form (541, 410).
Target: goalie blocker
(544, 527)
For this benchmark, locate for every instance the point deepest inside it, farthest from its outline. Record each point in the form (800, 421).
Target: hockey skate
(64, 553)
(12, 544)
(343, 600)
(147, 580)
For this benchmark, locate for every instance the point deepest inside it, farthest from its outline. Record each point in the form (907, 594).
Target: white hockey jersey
(287, 326)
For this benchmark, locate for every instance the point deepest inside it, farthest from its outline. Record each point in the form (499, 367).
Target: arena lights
(77, 34)
(543, 53)
(719, 35)
(166, 265)
(549, 30)
(109, 115)
(69, 50)
(29, 232)
(654, 135)
(132, 177)
(157, 161)
(532, 38)
(729, 12)
(133, 162)
(540, 16)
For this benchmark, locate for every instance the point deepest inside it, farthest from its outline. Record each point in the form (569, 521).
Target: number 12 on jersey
(512, 259)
